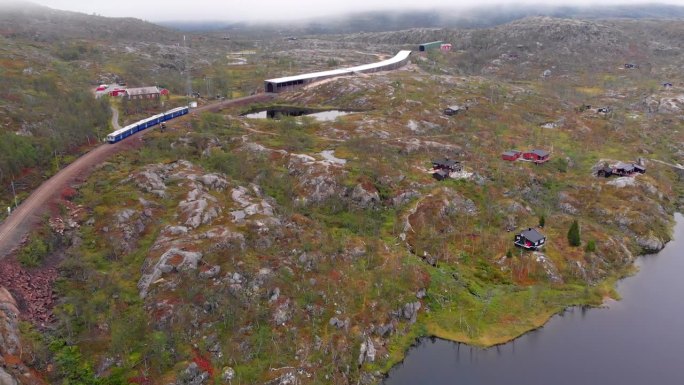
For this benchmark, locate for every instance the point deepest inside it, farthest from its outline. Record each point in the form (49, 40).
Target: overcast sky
(238, 10)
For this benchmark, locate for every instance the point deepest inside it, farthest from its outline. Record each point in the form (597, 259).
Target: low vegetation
(236, 245)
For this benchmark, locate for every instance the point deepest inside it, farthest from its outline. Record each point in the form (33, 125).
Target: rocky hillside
(236, 250)
(568, 45)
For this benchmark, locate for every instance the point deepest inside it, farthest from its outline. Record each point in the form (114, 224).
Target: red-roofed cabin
(537, 156)
(511, 155)
(101, 87)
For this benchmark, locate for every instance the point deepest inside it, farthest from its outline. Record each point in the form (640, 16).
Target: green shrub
(591, 246)
(574, 234)
(33, 254)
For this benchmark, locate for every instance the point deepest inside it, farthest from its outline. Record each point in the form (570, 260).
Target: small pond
(277, 113)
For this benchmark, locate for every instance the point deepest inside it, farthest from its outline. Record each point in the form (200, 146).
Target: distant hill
(391, 20)
(39, 23)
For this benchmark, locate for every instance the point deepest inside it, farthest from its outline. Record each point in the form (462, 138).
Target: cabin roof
(445, 162)
(541, 153)
(624, 166)
(532, 235)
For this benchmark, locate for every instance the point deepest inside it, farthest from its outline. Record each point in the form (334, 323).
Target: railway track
(29, 213)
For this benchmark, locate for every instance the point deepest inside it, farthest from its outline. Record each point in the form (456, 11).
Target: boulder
(410, 311)
(650, 244)
(367, 351)
(173, 259)
(9, 324)
(6, 378)
(227, 374)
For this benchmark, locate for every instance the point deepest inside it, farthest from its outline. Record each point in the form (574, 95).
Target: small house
(639, 169)
(667, 85)
(605, 172)
(511, 155)
(101, 87)
(428, 46)
(604, 110)
(454, 110)
(440, 175)
(530, 239)
(446, 164)
(445, 47)
(631, 66)
(537, 156)
(143, 93)
(624, 169)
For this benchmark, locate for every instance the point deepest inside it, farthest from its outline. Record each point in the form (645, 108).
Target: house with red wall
(536, 156)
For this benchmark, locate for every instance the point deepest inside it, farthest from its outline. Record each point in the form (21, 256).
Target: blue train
(146, 123)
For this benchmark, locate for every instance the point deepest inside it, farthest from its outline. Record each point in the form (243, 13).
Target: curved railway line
(17, 226)
(29, 213)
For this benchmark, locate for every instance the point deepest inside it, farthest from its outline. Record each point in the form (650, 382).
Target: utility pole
(15, 194)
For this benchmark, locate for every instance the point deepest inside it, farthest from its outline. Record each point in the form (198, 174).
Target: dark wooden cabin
(605, 172)
(446, 164)
(440, 175)
(530, 239)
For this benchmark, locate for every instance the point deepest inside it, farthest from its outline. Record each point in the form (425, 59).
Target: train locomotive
(146, 123)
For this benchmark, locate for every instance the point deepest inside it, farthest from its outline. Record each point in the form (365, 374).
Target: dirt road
(17, 226)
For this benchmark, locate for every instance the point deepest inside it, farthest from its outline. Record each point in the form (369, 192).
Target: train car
(146, 123)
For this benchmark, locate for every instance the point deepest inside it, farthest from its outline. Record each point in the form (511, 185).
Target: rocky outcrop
(367, 351)
(650, 244)
(172, 260)
(199, 208)
(365, 195)
(6, 378)
(549, 267)
(9, 324)
(193, 375)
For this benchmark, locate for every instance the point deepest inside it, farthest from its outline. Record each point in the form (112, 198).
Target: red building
(536, 156)
(511, 155)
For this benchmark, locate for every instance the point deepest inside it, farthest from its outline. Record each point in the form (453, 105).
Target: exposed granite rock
(365, 196)
(410, 311)
(622, 182)
(549, 267)
(171, 260)
(227, 374)
(404, 197)
(650, 244)
(367, 351)
(6, 378)
(9, 324)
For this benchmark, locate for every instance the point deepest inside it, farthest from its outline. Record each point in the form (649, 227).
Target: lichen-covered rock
(282, 313)
(172, 260)
(365, 195)
(199, 208)
(549, 267)
(622, 182)
(410, 311)
(6, 378)
(9, 324)
(650, 244)
(228, 374)
(367, 351)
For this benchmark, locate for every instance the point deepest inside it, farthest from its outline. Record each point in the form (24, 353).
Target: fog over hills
(478, 17)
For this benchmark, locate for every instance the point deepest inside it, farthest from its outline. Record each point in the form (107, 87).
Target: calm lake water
(636, 341)
(322, 116)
